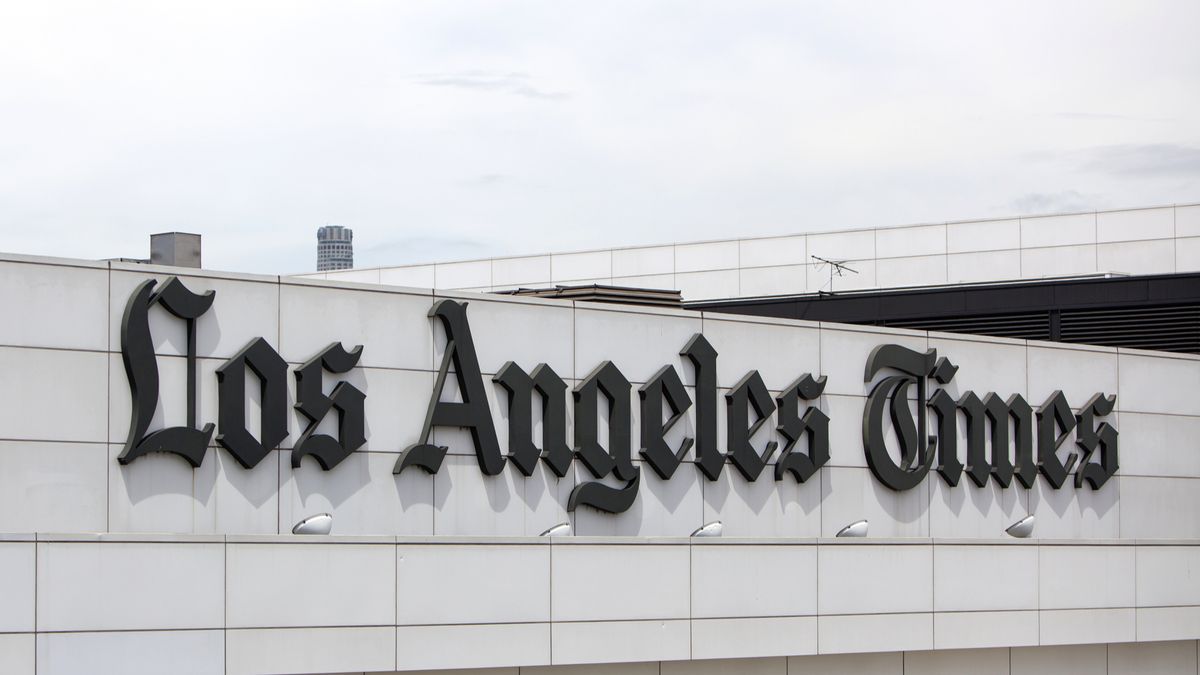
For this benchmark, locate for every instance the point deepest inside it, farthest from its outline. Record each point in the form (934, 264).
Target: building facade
(335, 248)
(158, 424)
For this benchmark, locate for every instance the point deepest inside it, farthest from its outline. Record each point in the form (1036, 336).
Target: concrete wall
(1130, 241)
(193, 604)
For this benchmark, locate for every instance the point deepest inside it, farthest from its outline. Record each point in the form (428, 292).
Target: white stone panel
(918, 271)
(1167, 623)
(17, 653)
(975, 630)
(17, 587)
(968, 511)
(361, 494)
(845, 430)
(367, 276)
(394, 328)
(717, 255)
(1187, 221)
(634, 262)
(613, 641)
(1077, 577)
(1155, 658)
(466, 502)
(952, 662)
(1168, 575)
(40, 407)
(309, 650)
(765, 507)
(643, 668)
(57, 306)
(472, 646)
(970, 578)
(844, 353)
(849, 495)
(983, 235)
(773, 251)
(1058, 261)
(1153, 445)
(1077, 513)
(874, 632)
(781, 353)
(529, 270)
(707, 285)
(883, 663)
(640, 582)
(1156, 384)
(491, 584)
(1159, 508)
(584, 265)
(1086, 626)
(187, 652)
(726, 583)
(878, 579)
(152, 494)
(292, 585)
(1137, 257)
(1135, 224)
(638, 343)
(854, 245)
(1066, 230)
(1079, 373)
(661, 282)
(53, 487)
(990, 266)
(759, 666)
(753, 638)
(460, 275)
(984, 364)
(1187, 254)
(663, 507)
(1064, 660)
(781, 280)
(527, 333)
(232, 500)
(127, 586)
(241, 311)
(914, 240)
(411, 276)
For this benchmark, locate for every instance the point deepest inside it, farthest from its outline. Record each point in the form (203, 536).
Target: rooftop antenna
(836, 268)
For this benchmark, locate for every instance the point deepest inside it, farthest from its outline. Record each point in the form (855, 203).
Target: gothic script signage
(1005, 438)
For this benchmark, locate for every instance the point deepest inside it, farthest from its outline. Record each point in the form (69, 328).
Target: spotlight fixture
(1022, 528)
(713, 529)
(856, 529)
(321, 523)
(559, 530)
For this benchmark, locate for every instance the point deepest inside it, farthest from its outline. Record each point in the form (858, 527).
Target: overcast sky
(444, 130)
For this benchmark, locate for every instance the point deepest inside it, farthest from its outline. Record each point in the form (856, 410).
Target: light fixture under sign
(1022, 528)
(322, 523)
(713, 529)
(856, 529)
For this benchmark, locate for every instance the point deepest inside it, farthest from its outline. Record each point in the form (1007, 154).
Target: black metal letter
(520, 387)
(749, 392)
(916, 446)
(664, 386)
(141, 368)
(312, 402)
(271, 370)
(709, 459)
(605, 380)
(1055, 416)
(473, 413)
(792, 426)
(1090, 438)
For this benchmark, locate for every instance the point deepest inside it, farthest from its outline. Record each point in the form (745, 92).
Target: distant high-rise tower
(335, 248)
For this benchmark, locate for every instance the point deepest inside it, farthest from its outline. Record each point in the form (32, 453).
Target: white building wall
(1156, 240)
(186, 570)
